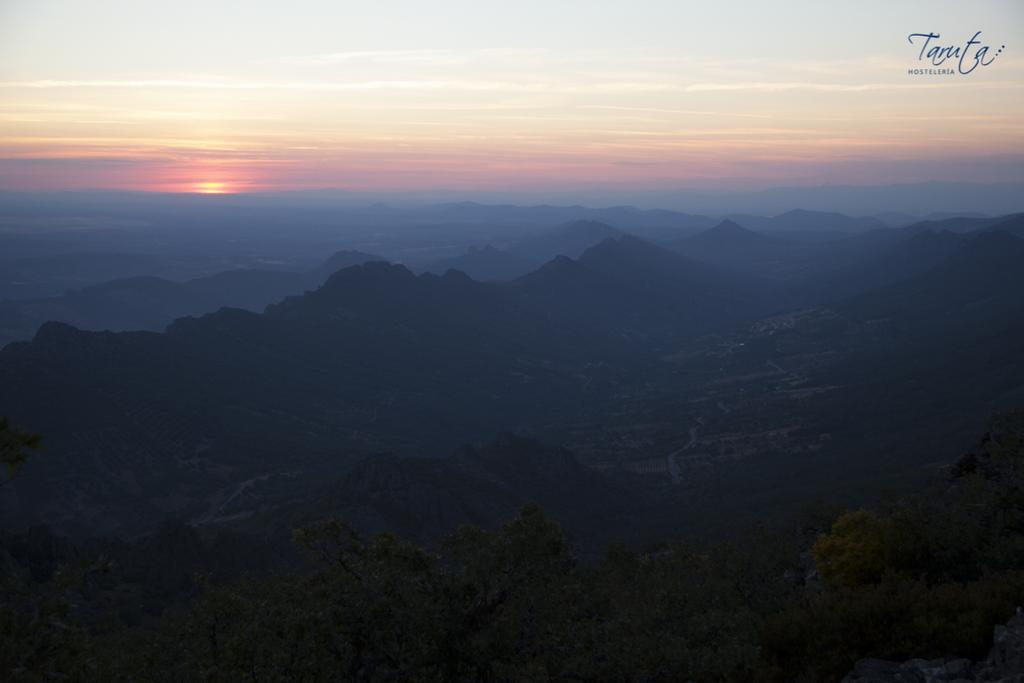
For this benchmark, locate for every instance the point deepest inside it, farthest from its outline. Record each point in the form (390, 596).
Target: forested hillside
(929, 575)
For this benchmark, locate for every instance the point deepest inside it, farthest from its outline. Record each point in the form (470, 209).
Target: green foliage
(15, 446)
(492, 606)
(853, 553)
(820, 636)
(39, 637)
(925, 577)
(510, 604)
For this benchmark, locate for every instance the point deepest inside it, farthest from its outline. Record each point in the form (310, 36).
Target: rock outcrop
(1004, 663)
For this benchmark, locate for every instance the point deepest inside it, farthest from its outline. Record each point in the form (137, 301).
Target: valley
(669, 376)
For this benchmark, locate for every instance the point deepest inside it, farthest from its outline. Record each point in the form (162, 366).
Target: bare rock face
(911, 671)
(1004, 664)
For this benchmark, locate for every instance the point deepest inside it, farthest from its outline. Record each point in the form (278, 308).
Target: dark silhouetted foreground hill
(423, 499)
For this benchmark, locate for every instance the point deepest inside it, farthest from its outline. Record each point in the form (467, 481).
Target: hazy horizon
(913, 199)
(480, 99)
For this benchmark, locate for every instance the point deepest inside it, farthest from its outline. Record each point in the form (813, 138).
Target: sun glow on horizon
(210, 187)
(468, 97)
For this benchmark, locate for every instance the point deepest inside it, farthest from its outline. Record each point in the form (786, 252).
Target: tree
(15, 446)
(854, 552)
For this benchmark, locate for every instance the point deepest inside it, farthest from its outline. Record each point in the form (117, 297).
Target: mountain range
(644, 362)
(151, 303)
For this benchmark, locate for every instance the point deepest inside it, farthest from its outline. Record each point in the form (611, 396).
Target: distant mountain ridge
(983, 280)
(638, 289)
(151, 303)
(730, 244)
(569, 239)
(629, 217)
(801, 220)
(884, 260)
(484, 264)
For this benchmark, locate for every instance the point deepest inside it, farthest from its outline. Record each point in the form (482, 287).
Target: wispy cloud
(775, 86)
(420, 57)
(685, 112)
(326, 85)
(510, 86)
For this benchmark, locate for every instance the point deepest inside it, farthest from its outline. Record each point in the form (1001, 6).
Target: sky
(483, 96)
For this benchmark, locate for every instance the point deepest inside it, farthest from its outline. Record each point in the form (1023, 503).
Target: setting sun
(211, 188)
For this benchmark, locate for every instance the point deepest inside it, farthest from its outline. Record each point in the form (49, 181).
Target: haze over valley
(488, 342)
